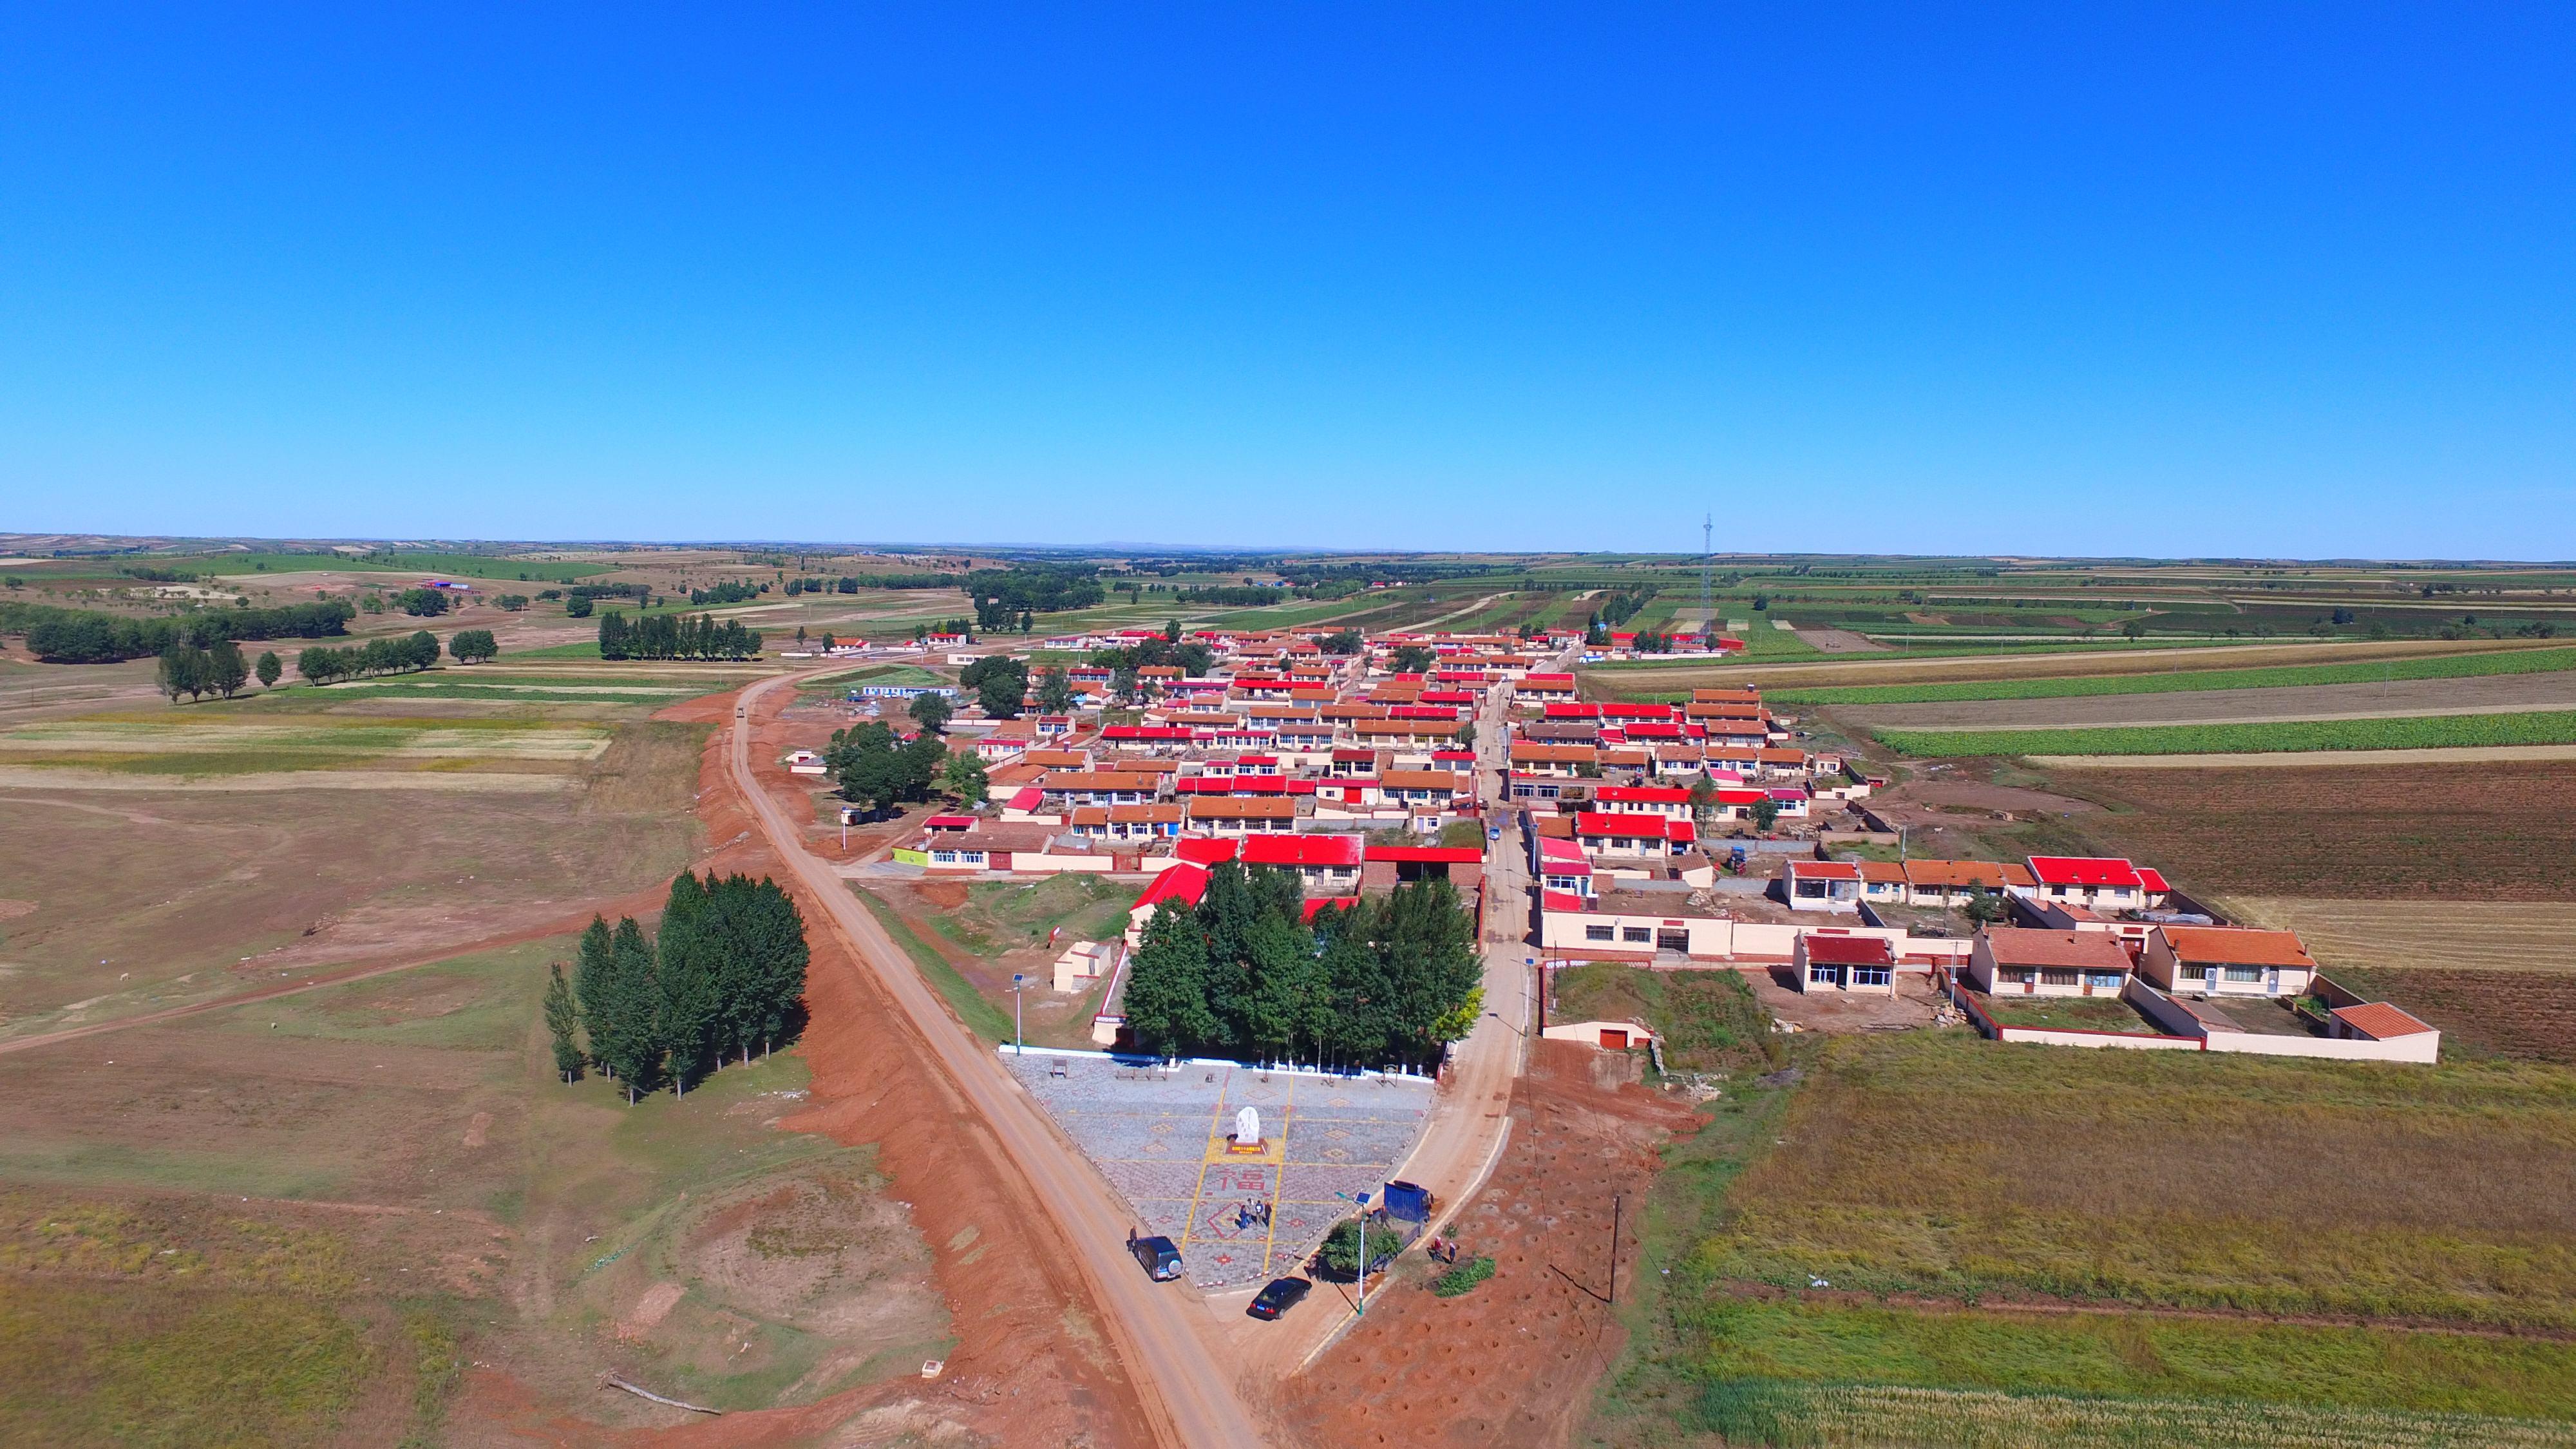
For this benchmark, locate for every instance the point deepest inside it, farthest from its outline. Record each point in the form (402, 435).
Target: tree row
(675, 636)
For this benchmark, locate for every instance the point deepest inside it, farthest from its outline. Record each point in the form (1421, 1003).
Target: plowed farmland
(2528, 1015)
(2385, 832)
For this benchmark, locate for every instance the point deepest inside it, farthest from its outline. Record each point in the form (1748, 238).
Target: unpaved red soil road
(1181, 1382)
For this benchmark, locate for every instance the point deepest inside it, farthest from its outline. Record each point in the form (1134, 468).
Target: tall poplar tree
(561, 1018)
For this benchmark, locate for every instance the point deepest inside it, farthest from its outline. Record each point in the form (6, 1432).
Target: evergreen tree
(1166, 998)
(183, 671)
(687, 960)
(930, 711)
(633, 1048)
(561, 1017)
(593, 972)
(269, 669)
(226, 671)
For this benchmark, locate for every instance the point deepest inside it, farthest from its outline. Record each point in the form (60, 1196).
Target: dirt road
(1150, 1325)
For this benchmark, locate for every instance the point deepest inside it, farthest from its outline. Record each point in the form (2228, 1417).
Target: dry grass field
(2490, 936)
(1939, 1164)
(293, 1221)
(132, 900)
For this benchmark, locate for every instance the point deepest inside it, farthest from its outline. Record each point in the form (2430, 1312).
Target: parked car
(1280, 1295)
(1156, 1255)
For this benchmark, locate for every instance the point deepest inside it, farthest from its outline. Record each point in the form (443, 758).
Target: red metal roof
(1562, 901)
(1601, 822)
(1199, 850)
(1644, 794)
(1824, 869)
(1316, 904)
(1303, 850)
(2151, 878)
(2083, 870)
(1847, 950)
(1183, 883)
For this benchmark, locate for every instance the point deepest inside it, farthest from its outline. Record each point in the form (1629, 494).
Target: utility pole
(1019, 1046)
(1615, 1201)
(1707, 550)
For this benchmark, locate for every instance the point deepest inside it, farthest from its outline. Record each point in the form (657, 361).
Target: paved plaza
(1160, 1136)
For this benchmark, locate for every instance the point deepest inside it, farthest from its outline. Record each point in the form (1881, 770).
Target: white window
(949, 857)
(1594, 933)
(1631, 933)
(1861, 976)
(2234, 973)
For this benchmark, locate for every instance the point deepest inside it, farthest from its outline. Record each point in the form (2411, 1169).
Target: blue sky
(2165, 279)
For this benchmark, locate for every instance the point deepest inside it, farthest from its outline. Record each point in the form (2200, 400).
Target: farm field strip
(2034, 662)
(2531, 661)
(2504, 936)
(2413, 699)
(516, 740)
(2538, 727)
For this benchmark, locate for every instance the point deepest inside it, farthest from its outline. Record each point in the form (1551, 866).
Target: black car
(1280, 1295)
(1156, 1255)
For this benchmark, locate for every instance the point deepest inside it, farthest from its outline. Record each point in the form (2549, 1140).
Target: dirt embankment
(1030, 1366)
(1513, 1361)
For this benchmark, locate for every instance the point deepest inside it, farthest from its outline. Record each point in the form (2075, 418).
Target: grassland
(1710, 1021)
(2491, 662)
(292, 1222)
(1933, 1240)
(980, 1016)
(1928, 1164)
(2535, 727)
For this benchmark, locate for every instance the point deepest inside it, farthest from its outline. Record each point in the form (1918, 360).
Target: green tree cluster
(322, 664)
(1413, 659)
(422, 603)
(931, 711)
(1389, 979)
(577, 606)
(74, 636)
(1002, 595)
(1193, 658)
(728, 592)
(1000, 682)
(1053, 691)
(673, 636)
(727, 973)
(876, 768)
(473, 646)
(194, 672)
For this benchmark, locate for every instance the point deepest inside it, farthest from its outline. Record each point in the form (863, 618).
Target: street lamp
(1019, 1046)
(1359, 1203)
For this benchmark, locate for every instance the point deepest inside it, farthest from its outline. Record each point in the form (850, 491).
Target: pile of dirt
(1513, 1361)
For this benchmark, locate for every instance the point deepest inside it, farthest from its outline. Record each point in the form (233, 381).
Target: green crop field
(2521, 661)
(2537, 727)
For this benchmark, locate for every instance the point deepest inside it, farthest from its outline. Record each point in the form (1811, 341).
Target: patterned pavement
(1160, 1137)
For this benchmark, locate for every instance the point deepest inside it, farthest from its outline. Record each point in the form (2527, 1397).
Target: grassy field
(2180, 1200)
(2536, 727)
(292, 1222)
(2510, 936)
(2492, 662)
(1710, 1020)
(1928, 1164)
(981, 1016)
(2066, 1013)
